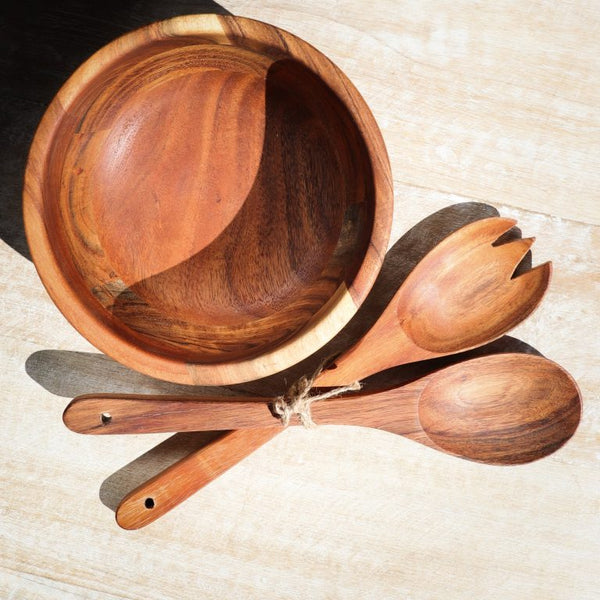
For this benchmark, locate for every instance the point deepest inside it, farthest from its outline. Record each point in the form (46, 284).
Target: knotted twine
(297, 399)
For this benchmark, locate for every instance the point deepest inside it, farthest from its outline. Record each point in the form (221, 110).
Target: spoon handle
(172, 486)
(131, 413)
(114, 414)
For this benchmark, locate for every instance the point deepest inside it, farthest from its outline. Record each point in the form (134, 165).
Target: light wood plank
(494, 102)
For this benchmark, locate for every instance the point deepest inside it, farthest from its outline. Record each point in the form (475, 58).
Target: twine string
(297, 400)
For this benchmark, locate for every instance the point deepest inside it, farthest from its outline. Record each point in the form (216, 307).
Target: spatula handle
(177, 483)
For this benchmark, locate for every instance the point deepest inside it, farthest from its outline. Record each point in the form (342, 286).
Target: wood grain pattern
(208, 200)
(523, 409)
(498, 409)
(103, 414)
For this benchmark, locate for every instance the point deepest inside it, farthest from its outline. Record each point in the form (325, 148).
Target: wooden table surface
(488, 106)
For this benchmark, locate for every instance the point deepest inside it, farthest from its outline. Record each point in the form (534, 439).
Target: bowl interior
(207, 201)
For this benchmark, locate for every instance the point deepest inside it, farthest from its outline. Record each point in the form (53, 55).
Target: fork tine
(530, 287)
(489, 230)
(475, 234)
(536, 278)
(513, 252)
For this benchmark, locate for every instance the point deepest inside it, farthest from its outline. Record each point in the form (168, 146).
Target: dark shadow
(41, 44)
(70, 374)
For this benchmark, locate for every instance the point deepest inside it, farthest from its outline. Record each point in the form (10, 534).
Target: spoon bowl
(501, 409)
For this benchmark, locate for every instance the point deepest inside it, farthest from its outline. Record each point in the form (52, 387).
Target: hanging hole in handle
(106, 418)
(149, 503)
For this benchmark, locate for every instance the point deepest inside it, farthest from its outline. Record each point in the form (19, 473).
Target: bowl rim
(325, 324)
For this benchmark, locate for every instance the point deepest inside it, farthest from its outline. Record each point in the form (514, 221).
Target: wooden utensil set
(208, 200)
(496, 409)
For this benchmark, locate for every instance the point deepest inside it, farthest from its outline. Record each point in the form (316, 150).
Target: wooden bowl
(208, 199)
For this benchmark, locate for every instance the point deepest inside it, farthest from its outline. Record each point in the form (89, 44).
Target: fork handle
(171, 487)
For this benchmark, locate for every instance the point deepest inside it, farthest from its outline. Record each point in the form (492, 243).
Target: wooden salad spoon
(501, 409)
